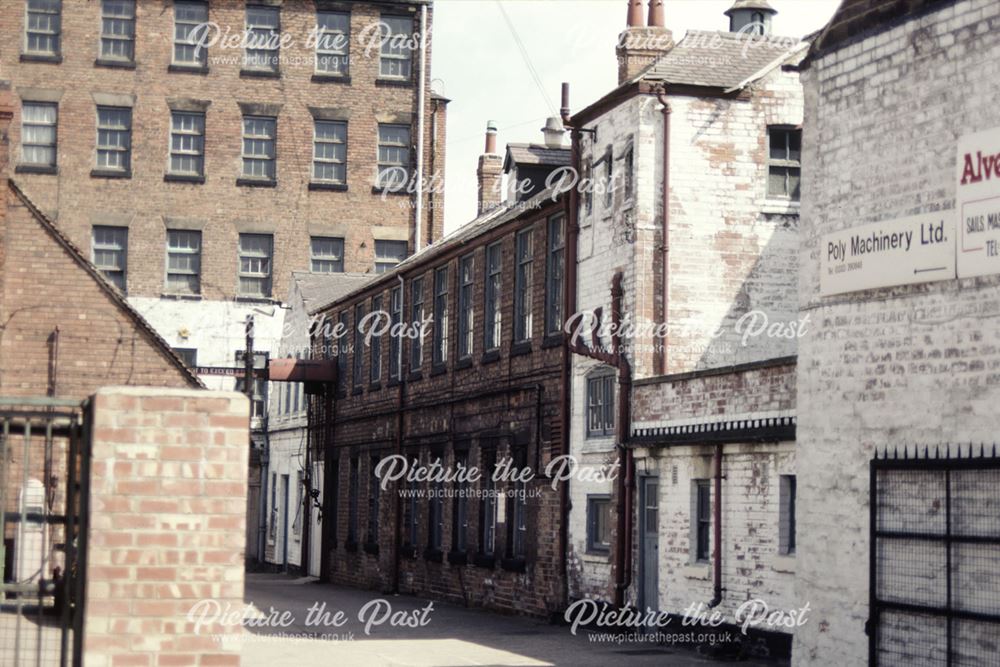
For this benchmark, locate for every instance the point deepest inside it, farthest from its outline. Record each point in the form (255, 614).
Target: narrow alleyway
(454, 636)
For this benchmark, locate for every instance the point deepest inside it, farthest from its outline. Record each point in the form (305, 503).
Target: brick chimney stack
(490, 172)
(640, 45)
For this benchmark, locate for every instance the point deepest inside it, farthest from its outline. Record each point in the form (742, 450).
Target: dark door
(649, 542)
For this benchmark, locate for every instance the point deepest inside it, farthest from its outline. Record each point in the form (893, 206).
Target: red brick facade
(485, 407)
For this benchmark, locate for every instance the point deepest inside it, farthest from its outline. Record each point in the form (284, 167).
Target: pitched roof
(537, 154)
(751, 4)
(112, 292)
(855, 20)
(725, 60)
(319, 290)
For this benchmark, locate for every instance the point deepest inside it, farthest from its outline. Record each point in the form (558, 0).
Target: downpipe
(717, 530)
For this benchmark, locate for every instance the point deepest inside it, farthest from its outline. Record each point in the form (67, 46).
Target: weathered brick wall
(168, 496)
(513, 392)
(902, 365)
(218, 207)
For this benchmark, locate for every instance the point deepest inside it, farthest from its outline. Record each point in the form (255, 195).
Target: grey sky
(477, 63)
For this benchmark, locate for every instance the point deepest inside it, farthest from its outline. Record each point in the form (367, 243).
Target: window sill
(394, 83)
(331, 187)
(244, 298)
(408, 551)
(701, 571)
(414, 376)
(482, 560)
(36, 169)
(520, 348)
(256, 183)
(490, 356)
(513, 564)
(553, 340)
(357, 391)
(371, 548)
(398, 192)
(393, 382)
(463, 363)
(331, 78)
(115, 64)
(181, 297)
(350, 546)
(458, 558)
(260, 74)
(375, 386)
(438, 369)
(433, 555)
(54, 58)
(183, 178)
(592, 556)
(784, 563)
(781, 207)
(105, 173)
(177, 68)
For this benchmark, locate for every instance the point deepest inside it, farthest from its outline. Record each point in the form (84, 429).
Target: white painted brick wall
(886, 367)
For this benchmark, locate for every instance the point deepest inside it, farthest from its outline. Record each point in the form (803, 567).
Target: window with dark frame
(39, 129)
(110, 253)
(786, 518)
(334, 502)
(333, 40)
(601, 405)
(183, 262)
(396, 56)
(460, 510)
(609, 179)
(359, 346)
(375, 372)
(587, 186)
(703, 519)
(326, 254)
(395, 339)
(555, 271)
(492, 317)
(373, 502)
(259, 142)
(255, 265)
(411, 523)
(388, 254)
(416, 319)
(342, 352)
(189, 355)
(393, 170)
(517, 527)
(118, 30)
(43, 27)
(522, 286)
(187, 17)
(435, 515)
(784, 163)
(187, 143)
(352, 502)
(114, 139)
(628, 165)
(330, 152)
(441, 324)
(487, 502)
(299, 504)
(263, 32)
(466, 306)
(599, 524)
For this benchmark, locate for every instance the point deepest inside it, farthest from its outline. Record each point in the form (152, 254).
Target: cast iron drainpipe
(623, 550)
(665, 233)
(398, 523)
(717, 529)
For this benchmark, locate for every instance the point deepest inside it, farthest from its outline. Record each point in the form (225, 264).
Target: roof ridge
(49, 225)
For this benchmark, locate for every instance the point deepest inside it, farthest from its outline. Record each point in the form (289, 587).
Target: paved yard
(452, 635)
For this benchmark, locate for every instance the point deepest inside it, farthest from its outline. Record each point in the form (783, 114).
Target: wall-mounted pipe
(418, 207)
(717, 530)
(623, 546)
(661, 355)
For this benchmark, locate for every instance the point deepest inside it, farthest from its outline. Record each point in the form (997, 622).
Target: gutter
(418, 209)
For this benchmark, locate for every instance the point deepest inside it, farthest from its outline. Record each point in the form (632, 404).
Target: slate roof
(723, 60)
(537, 154)
(319, 290)
(855, 20)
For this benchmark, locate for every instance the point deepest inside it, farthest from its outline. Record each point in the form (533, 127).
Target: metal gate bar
(915, 617)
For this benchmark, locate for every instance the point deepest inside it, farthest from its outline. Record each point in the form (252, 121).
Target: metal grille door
(935, 560)
(43, 493)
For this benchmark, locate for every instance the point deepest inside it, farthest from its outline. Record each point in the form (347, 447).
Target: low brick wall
(167, 525)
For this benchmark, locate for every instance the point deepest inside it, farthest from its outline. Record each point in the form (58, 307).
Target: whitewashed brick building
(734, 112)
(891, 90)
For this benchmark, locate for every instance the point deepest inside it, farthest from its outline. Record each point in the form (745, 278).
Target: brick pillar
(489, 173)
(167, 525)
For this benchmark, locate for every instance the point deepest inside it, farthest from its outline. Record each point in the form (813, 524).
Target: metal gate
(935, 558)
(44, 484)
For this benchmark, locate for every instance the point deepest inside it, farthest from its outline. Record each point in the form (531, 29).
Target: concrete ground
(451, 636)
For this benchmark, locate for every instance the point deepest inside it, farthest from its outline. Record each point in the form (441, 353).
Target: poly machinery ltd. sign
(963, 242)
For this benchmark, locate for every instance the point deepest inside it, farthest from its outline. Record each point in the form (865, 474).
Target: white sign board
(978, 204)
(917, 249)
